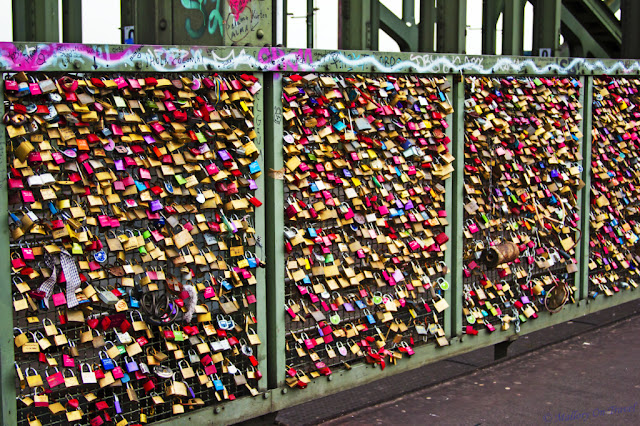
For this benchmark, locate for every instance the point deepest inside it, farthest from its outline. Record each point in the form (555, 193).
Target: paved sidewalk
(598, 368)
(592, 378)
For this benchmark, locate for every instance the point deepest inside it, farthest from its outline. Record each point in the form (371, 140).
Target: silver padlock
(107, 297)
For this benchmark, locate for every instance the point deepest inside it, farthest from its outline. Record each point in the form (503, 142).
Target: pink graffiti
(237, 7)
(277, 59)
(34, 57)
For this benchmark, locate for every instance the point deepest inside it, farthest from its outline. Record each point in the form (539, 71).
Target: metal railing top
(120, 58)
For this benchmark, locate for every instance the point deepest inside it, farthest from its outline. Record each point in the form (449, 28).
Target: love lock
(163, 372)
(247, 350)
(222, 322)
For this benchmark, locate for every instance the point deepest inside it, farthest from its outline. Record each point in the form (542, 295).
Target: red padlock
(97, 421)
(149, 385)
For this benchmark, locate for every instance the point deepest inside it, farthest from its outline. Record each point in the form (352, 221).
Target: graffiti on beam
(237, 7)
(71, 57)
(211, 22)
(238, 27)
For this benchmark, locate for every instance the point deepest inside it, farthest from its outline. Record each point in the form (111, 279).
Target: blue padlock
(133, 302)
(254, 167)
(217, 384)
(370, 319)
(107, 363)
(140, 186)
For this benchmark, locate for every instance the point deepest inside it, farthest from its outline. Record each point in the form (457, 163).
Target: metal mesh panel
(226, 125)
(348, 152)
(521, 176)
(613, 257)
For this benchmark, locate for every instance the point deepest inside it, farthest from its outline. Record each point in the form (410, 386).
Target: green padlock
(146, 234)
(375, 182)
(443, 284)
(180, 179)
(76, 248)
(377, 298)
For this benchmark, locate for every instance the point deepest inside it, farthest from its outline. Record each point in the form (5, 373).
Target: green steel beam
(513, 27)
(406, 36)
(128, 58)
(491, 10)
(275, 231)
(8, 408)
(457, 196)
(427, 25)
(358, 24)
(614, 5)
(581, 42)
(630, 29)
(255, 24)
(35, 20)
(584, 199)
(72, 21)
(605, 17)
(211, 23)
(134, 58)
(546, 26)
(452, 26)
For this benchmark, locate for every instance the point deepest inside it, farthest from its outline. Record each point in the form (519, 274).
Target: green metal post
(585, 195)
(275, 231)
(457, 197)
(409, 11)
(426, 26)
(72, 21)
(8, 409)
(310, 16)
(630, 29)
(153, 21)
(513, 27)
(358, 24)
(449, 206)
(491, 10)
(280, 16)
(452, 24)
(546, 26)
(35, 20)
(261, 288)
